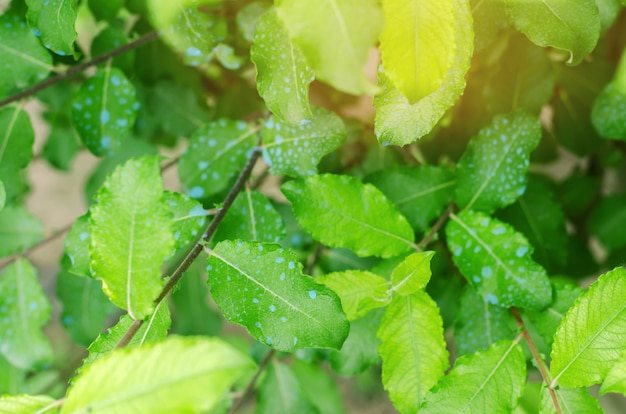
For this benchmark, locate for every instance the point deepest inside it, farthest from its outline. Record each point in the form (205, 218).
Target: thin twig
(36, 246)
(79, 68)
(314, 259)
(545, 374)
(253, 381)
(197, 248)
(442, 219)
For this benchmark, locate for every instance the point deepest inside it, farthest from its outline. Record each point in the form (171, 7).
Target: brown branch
(36, 246)
(79, 68)
(540, 363)
(197, 248)
(253, 381)
(440, 222)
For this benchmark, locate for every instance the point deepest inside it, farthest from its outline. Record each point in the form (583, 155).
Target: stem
(253, 381)
(197, 248)
(37, 245)
(440, 221)
(79, 68)
(545, 374)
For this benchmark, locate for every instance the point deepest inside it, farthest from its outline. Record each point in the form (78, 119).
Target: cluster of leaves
(429, 234)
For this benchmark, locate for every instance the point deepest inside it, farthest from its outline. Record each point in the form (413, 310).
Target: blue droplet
(104, 116)
(83, 235)
(279, 260)
(312, 294)
(193, 51)
(196, 192)
(521, 251)
(272, 308)
(255, 300)
(197, 211)
(486, 271)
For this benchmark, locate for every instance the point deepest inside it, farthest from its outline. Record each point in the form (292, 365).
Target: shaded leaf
(338, 53)
(572, 27)
(495, 260)
(61, 147)
(360, 291)
(215, 154)
(296, 150)
(24, 309)
(104, 110)
(190, 218)
(16, 142)
(412, 348)
(492, 171)
(53, 22)
(198, 371)
(19, 230)
(318, 387)
(130, 235)
(262, 287)
(77, 243)
(111, 38)
(105, 10)
(588, 341)
(360, 349)
(340, 211)
(283, 74)
(571, 401)
(401, 120)
(488, 381)
(607, 221)
(607, 113)
(280, 392)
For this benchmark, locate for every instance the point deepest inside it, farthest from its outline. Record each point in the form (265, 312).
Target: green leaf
(130, 235)
(215, 154)
(318, 387)
(53, 22)
(154, 329)
(110, 38)
(16, 142)
(412, 348)
(412, 274)
(187, 29)
(85, 307)
(588, 341)
(360, 349)
(408, 109)
(198, 371)
(61, 147)
(341, 211)
(105, 10)
(479, 324)
(420, 193)
(296, 150)
(280, 392)
(104, 110)
(19, 230)
(77, 244)
(607, 220)
(539, 217)
(24, 61)
(190, 218)
(178, 110)
(24, 309)
(571, 401)
(547, 320)
(12, 378)
(26, 404)
(489, 20)
(359, 291)
(249, 16)
(607, 112)
(492, 171)
(261, 286)
(339, 52)
(495, 260)
(3, 196)
(488, 381)
(609, 11)
(615, 380)
(572, 27)
(283, 74)
(252, 217)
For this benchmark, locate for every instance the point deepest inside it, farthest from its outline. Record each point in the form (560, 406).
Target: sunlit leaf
(571, 401)
(412, 348)
(615, 380)
(588, 341)
(53, 22)
(198, 371)
(77, 247)
(339, 51)
(262, 287)
(24, 61)
(492, 171)
(3, 195)
(19, 230)
(488, 381)
(570, 26)
(104, 110)
(130, 235)
(412, 274)
(297, 149)
(283, 74)
(280, 392)
(251, 217)
(489, 20)
(421, 76)
(495, 260)
(359, 291)
(479, 324)
(340, 211)
(607, 113)
(190, 218)
(24, 309)
(420, 193)
(249, 16)
(215, 154)
(26, 404)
